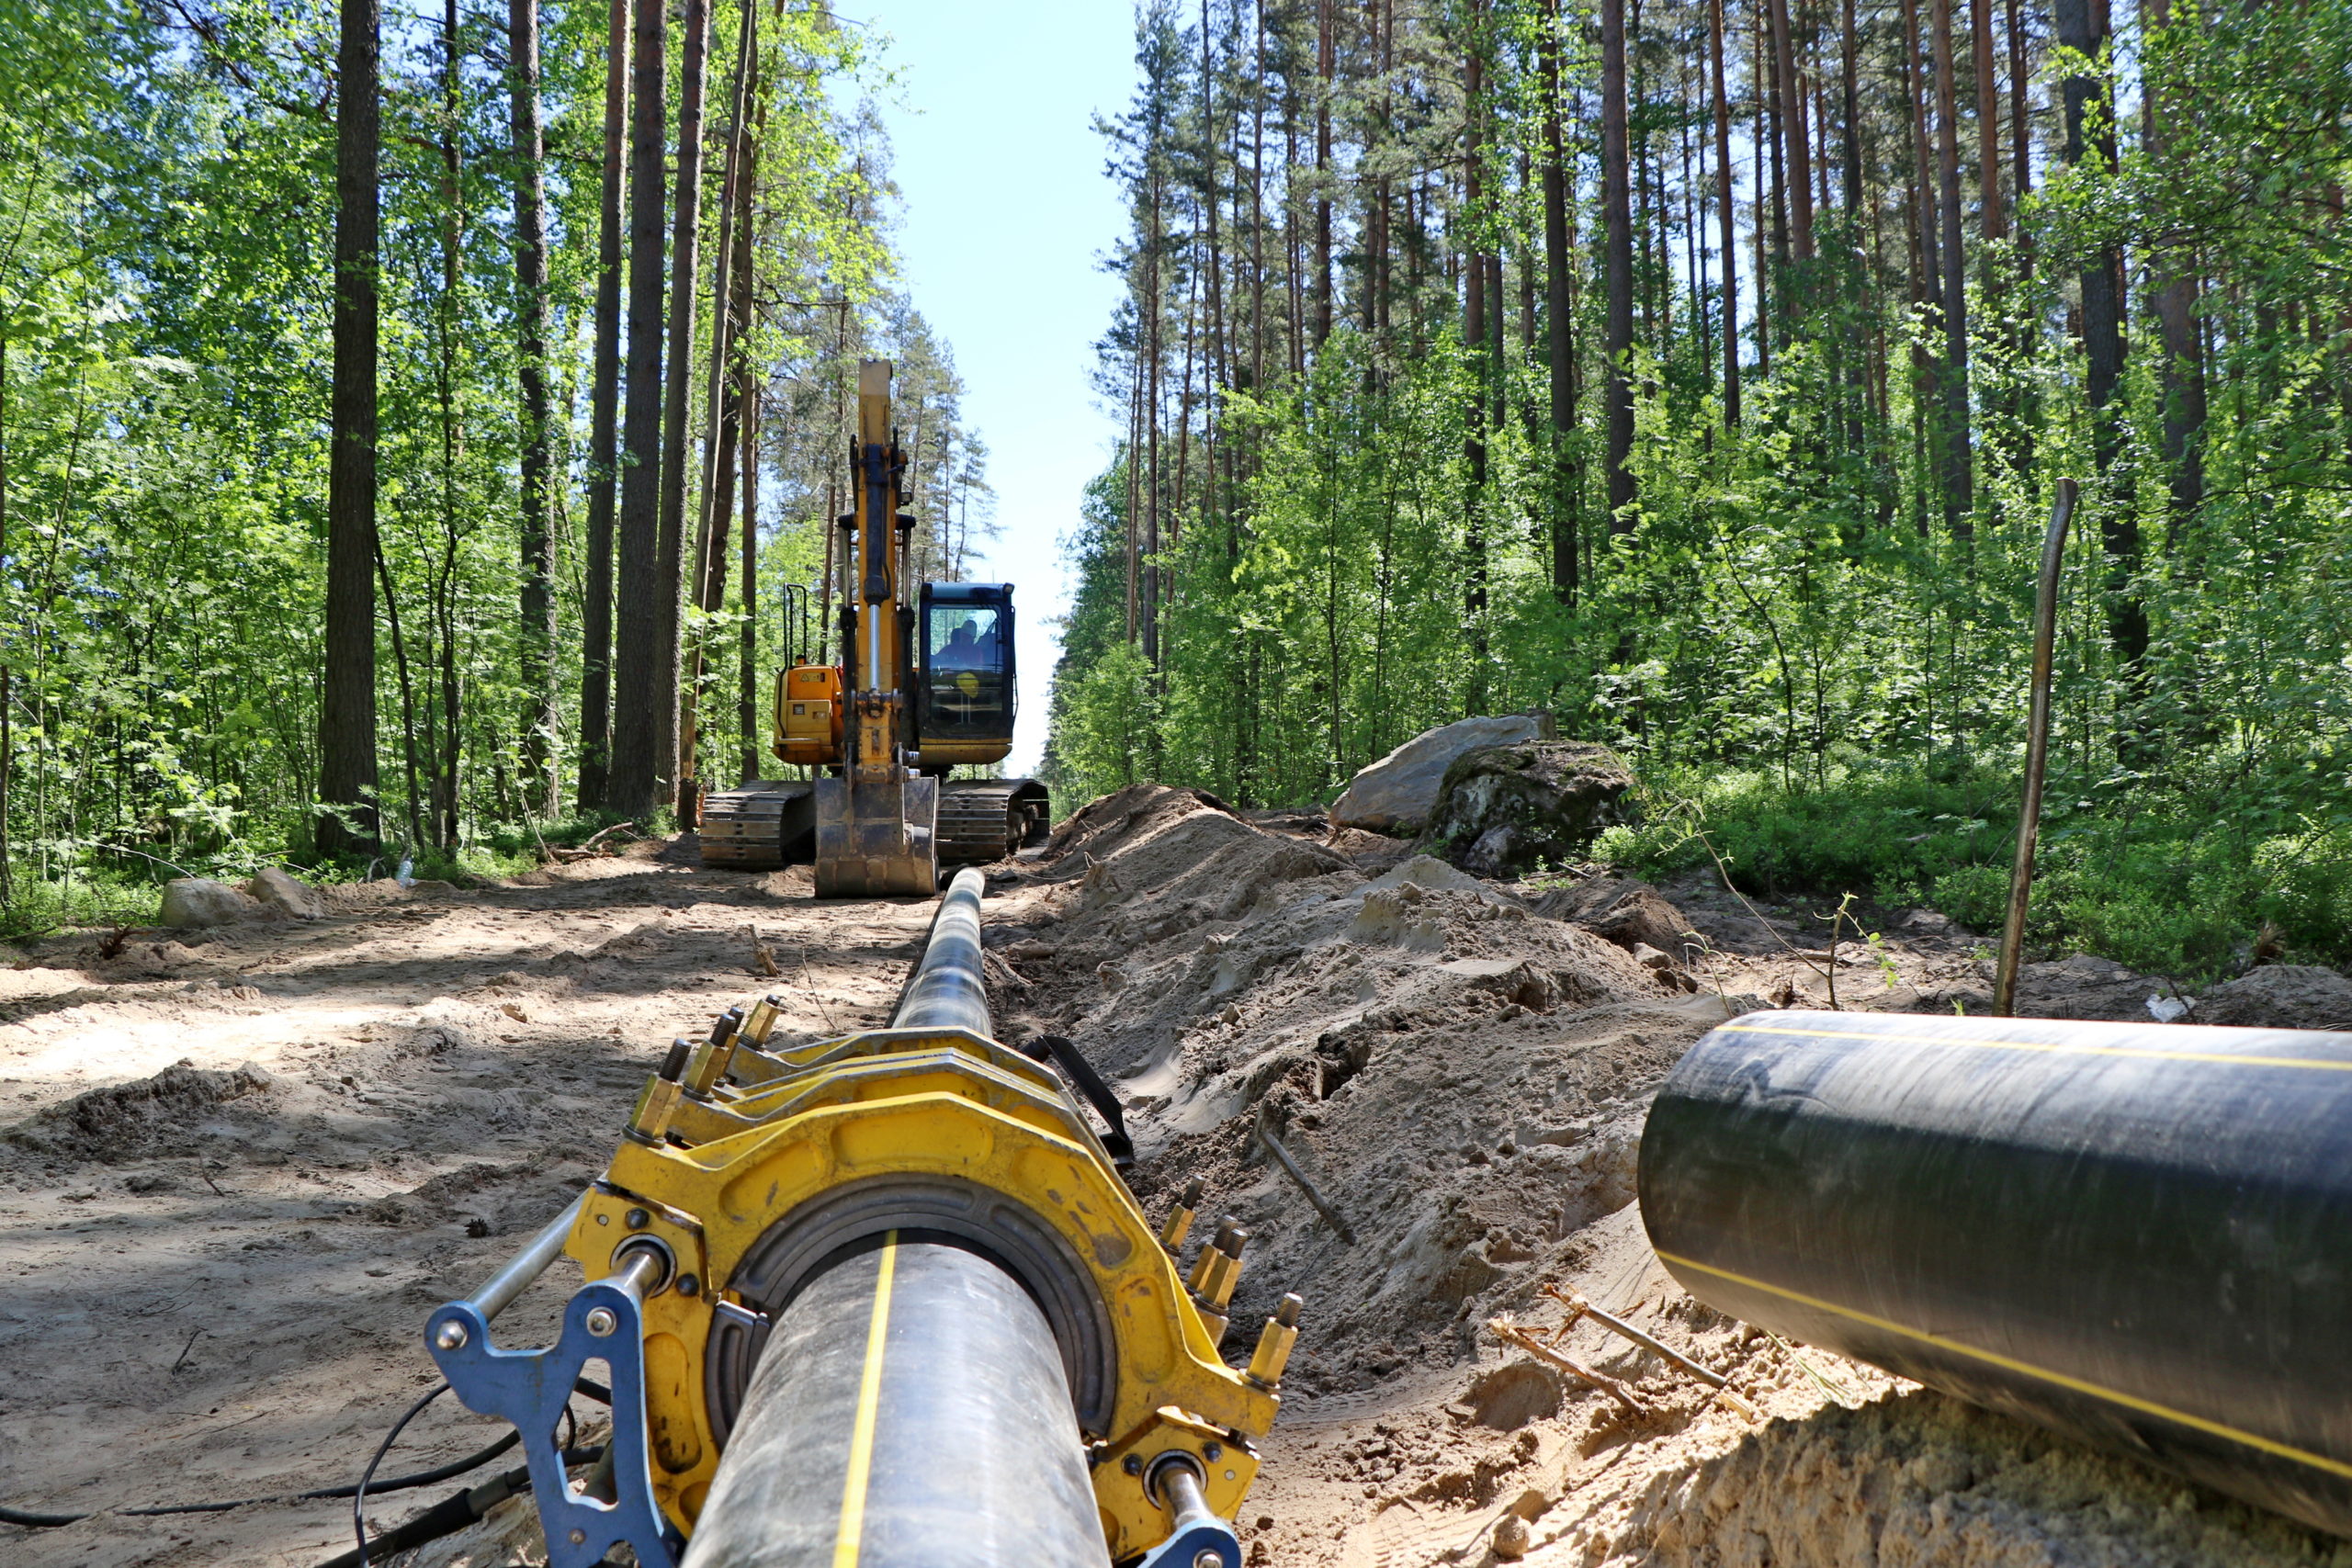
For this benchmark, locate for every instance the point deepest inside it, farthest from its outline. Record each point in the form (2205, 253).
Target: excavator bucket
(878, 839)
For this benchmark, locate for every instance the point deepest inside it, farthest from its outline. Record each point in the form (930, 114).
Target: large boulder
(190, 901)
(285, 893)
(1398, 793)
(1504, 808)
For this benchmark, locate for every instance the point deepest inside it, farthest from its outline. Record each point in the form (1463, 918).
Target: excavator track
(771, 822)
(986, 820)
(759, 827)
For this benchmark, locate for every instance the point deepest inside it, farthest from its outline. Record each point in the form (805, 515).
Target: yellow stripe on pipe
(2230, 1058)
(2025, 1368)
(852, 1532)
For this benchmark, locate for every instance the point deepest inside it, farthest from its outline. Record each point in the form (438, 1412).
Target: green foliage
(167, 206)
(2180, 887)
(1797, 627)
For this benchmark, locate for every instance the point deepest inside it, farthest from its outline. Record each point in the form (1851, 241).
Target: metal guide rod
(527, 1265)
(911, 1409)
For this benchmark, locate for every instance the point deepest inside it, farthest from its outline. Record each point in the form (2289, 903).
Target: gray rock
(1506, 807)
(190, 901)
(286, 894)
(2280, 996)
(1398, 793)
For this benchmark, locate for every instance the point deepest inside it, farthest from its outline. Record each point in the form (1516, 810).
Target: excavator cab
(965, 675)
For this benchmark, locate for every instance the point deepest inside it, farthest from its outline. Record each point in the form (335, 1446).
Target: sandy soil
(216, 1277)
(217, 1272)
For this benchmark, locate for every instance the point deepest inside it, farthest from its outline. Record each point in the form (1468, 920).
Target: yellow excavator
(924, 686)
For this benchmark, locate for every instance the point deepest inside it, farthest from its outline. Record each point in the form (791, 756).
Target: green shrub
(2169, 883)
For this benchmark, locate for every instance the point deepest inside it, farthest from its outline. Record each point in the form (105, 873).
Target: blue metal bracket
(530, 1388)
(1197, 1536)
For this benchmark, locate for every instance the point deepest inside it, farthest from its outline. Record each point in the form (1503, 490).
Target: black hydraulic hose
(910, 1410)
(29, 1519)
(949, 988)
(2132, 1233)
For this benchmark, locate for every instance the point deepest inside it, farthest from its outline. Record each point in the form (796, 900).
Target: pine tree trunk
(747, 673)
(1474, 346)
(1850, 107)
(1323, 85)
(1257, 210)
(1767, 284)
(1616, 201)
(2183, 369)
(1926, 271)
(2020, 122)
(1726, 216)
(1957, 486)
(347, 707)
(596, 613)
(714, 502)
(1148, 611)
(1996, 223)
(678, 394)
(1559, 314)
(1789, 89)
(537, 642)
(2082, 26)
(636, 685)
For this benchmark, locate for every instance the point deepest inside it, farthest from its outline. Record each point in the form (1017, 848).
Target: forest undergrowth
(2189, 880)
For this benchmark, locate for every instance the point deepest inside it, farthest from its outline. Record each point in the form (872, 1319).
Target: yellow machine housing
(746, 1135)
(808, 714)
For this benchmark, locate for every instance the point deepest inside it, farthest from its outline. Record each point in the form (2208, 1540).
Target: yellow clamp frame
(944, 1103)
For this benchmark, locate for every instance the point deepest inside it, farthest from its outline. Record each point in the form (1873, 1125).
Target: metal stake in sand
(1283, 1156)
(2036, 748)
(1579, 1308)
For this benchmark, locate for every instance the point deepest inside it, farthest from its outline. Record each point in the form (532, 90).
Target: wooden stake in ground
(2037, 749)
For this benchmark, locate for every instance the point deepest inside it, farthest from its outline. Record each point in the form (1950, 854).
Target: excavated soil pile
(1463, 1076)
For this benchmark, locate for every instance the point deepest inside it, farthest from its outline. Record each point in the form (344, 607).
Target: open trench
(215, 1273)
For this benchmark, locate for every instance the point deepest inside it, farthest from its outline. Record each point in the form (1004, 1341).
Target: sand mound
(162, 1114)
(1462, 1069)
(1460, 1077)
(1108, 822)
(2280, 996)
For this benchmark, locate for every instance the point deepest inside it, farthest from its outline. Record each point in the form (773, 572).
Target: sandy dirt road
(212, 1283)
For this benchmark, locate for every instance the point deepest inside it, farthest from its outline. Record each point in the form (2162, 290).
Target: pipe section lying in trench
(911, 1409)
(2136, 1235)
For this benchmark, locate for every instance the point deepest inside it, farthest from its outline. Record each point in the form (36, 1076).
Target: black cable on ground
(453, 1512)
(359, 1493)
(29, 1519)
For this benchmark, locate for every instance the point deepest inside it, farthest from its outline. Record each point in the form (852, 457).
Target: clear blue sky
(1006, 216)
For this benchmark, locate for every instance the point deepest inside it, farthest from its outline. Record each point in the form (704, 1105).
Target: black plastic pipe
(2137, 1235)
(948, 989)
(910, 1411)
